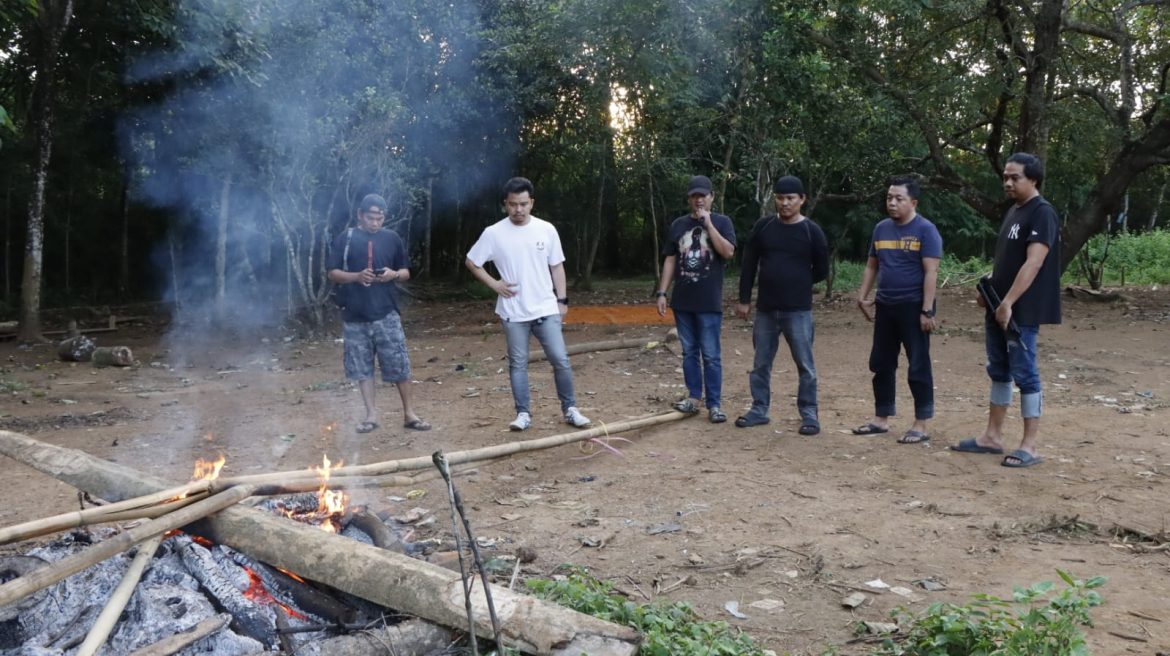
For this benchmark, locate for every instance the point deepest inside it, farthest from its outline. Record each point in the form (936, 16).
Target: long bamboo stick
(114, 512)
(117, 603)
(20, 588)
(19, 449)
(458, 457)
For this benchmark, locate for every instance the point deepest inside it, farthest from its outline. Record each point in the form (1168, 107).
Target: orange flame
(329, 502)
(208, 470)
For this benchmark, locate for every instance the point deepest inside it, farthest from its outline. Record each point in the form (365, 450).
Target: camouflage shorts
(383, 338)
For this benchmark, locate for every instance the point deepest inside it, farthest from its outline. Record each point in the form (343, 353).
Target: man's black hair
(913, 189)
(518, 186)
(1033, 167)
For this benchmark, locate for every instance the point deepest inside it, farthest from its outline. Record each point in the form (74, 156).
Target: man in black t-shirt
(697, 249)
(365, 262)
(1026, 277)
(791, 254)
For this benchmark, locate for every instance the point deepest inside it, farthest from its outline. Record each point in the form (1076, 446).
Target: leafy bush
(669, 629)
(1032, 623)
(1133, 259)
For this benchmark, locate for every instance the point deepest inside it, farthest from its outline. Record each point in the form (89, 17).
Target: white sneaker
(522, 422)
(574, 417)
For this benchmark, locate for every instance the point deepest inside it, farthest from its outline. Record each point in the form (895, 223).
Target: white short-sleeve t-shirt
(523, 255)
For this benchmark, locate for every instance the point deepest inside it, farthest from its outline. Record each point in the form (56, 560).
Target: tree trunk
(654, 226)
(221, 239)
(1157, 206)
(53, 18)
(1106, 196)
(7, 235)
(124, 255)
(428, 226)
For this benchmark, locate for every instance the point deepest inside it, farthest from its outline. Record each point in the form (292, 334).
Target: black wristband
(660, 294)
(563, 301)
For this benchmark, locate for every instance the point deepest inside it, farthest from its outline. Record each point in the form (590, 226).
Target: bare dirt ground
(761, 513)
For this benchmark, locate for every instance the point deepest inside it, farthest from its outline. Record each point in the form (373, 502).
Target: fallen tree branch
(608, 345)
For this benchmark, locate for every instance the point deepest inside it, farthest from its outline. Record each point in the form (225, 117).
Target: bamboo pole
(117, 603)
(19, 588)
(27, 450)
(115, 512)
(459, 457)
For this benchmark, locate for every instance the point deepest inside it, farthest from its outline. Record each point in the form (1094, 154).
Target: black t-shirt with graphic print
(698, 269)
(1034, 221)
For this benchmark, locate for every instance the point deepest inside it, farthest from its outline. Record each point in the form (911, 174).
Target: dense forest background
(207, 152)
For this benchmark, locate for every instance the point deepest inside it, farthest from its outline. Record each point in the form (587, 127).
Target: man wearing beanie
(790, 253)
(697, 249)
(903, 259)
(365, 262)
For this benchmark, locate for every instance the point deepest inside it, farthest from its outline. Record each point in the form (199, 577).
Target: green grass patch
(669, 629)
(1036, 621)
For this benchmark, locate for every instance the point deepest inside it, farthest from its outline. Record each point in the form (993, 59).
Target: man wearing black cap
(365, 262)
(698, 246)
(791, 254)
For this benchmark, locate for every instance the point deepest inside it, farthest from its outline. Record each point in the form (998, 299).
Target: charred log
(247, 617)
(291, 592)
(374, 527)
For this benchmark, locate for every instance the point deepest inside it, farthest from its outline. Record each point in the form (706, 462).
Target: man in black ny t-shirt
(1026, 277)
(791, 254)
(697, 249)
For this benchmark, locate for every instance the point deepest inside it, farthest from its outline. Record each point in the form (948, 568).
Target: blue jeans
(698, 332)
(797, 328)
(1009, 360)
(547, 331)
(896, 326)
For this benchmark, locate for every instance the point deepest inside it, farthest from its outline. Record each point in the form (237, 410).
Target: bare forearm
(929, 282)
(480, 273)
(667, 274)
(1024, 279)
(867, 278)
(558, 278)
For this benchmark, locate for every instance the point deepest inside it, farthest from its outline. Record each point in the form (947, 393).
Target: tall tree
(52, 23)
(979, 80)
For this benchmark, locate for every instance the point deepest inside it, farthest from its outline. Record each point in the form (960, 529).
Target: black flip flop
(870, 429)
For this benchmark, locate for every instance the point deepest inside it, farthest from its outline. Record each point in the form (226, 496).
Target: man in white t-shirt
(532, 296)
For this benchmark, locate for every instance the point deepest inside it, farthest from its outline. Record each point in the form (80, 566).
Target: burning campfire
(265, 605)
(233, 562)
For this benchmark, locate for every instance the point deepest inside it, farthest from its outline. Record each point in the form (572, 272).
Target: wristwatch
(563, 301)
(928, 313)
(660, 294)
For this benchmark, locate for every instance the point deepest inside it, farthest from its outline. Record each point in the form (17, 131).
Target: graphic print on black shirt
(695, 254)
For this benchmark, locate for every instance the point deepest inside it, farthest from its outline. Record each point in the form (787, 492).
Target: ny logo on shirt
(1014, 232)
